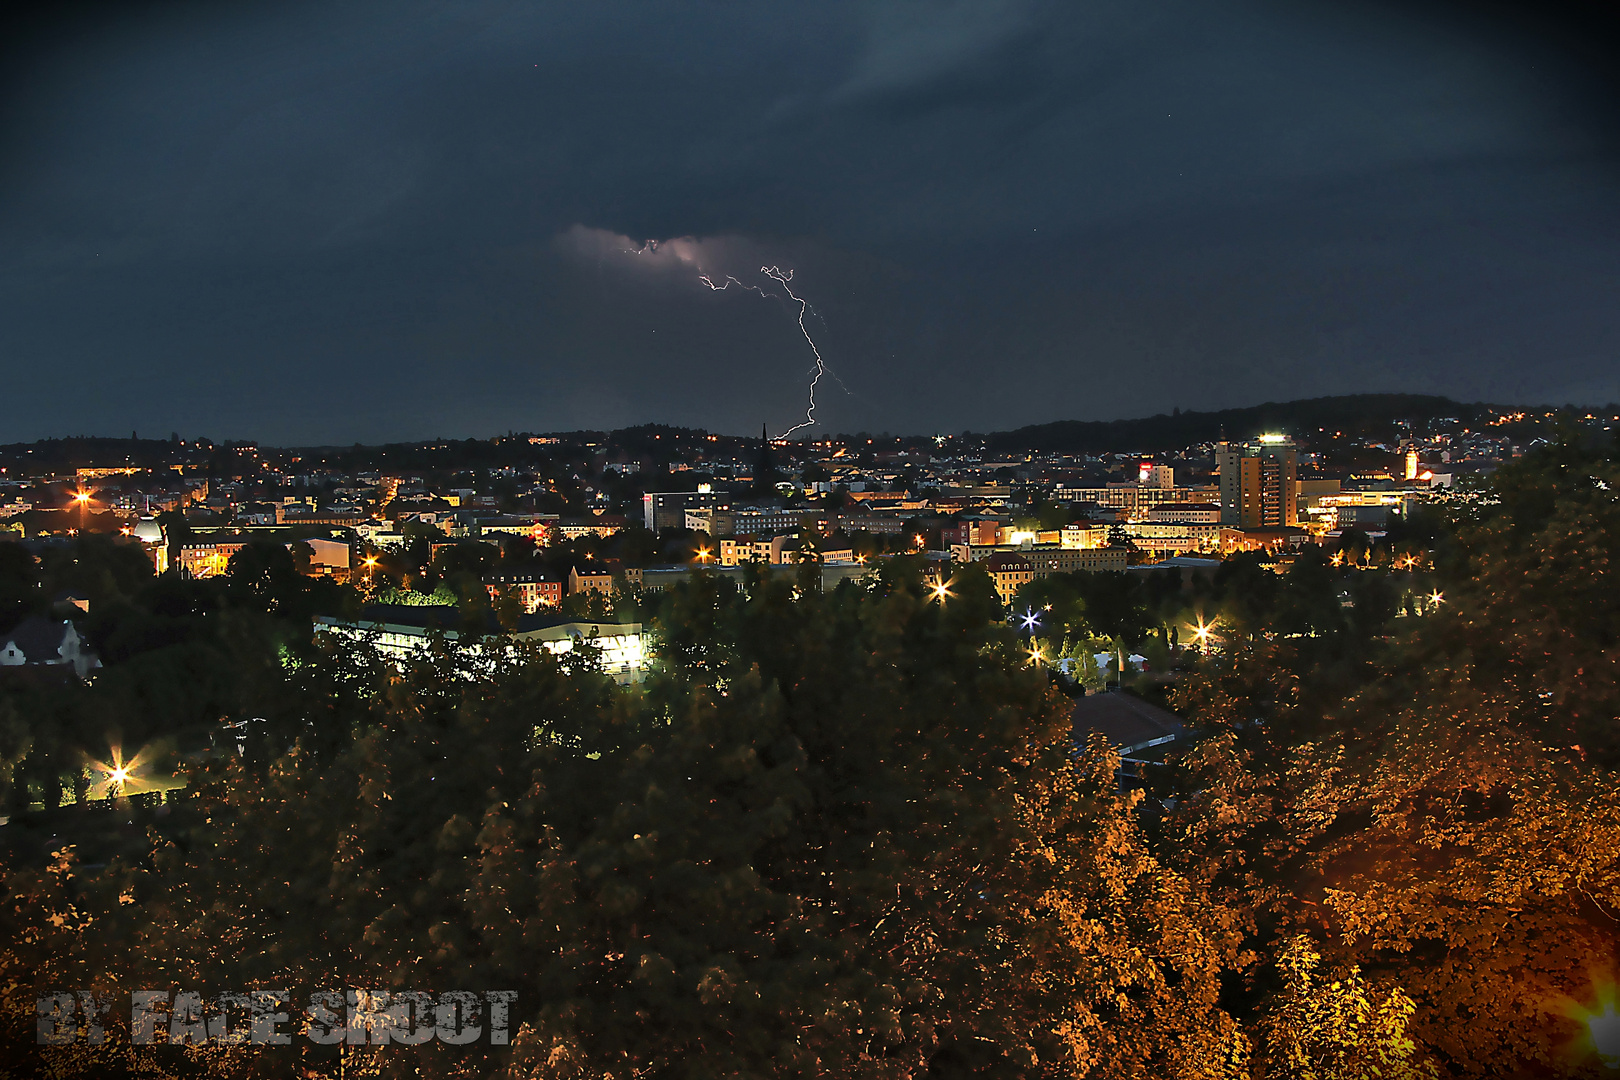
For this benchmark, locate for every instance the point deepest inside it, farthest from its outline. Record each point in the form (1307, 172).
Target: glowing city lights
(939, 590)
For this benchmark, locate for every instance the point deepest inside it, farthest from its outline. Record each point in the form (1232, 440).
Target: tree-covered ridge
(1186, 427)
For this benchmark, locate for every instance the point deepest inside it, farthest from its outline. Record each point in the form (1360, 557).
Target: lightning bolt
(730, 281)
(778, 276)
(782, 278)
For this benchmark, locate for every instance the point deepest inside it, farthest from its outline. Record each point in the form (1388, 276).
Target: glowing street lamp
(1201, 632)
(118, 773)
(1436, 598)
(939, 590)
(1035, 656)
(1030, 619)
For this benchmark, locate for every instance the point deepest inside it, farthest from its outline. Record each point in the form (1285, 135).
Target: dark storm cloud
(305, 222)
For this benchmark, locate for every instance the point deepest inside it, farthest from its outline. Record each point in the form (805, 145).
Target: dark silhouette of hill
(1173, 431)
(66, 454)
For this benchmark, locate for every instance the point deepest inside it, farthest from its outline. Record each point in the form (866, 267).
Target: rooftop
(1127, 721)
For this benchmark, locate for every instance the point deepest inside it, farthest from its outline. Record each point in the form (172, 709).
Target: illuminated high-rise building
(1411, 463)
(1258, 489)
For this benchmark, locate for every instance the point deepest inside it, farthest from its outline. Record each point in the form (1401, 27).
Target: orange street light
(940, 590)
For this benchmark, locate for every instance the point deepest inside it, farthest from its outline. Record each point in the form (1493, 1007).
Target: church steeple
(764, 468)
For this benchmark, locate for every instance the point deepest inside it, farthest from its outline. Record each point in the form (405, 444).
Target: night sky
(305, 222)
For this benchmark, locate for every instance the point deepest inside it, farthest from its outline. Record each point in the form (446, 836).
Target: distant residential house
(532, 588)
(71, 598)
(38, 642)
(1009, 571)
(590, 579)
(774, 551)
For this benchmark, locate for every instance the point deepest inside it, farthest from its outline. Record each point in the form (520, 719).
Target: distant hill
(1350, 412)
(67, 454)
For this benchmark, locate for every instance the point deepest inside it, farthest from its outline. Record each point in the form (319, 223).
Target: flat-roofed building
(667, 509)
(1177, 537)
(1048, 559)
(1186, 513)
(1083, 537)
(402, 632)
